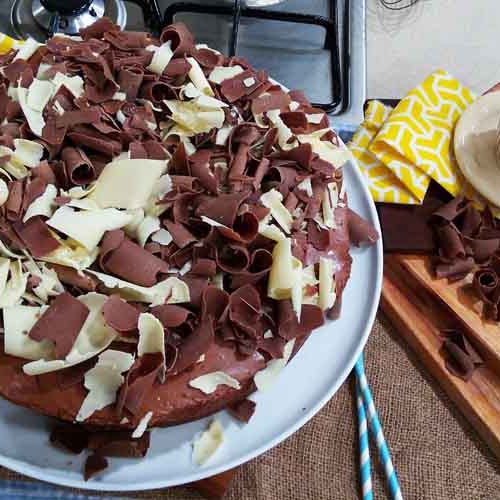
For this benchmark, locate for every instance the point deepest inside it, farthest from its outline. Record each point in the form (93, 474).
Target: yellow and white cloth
(6, 43)
(400, 150)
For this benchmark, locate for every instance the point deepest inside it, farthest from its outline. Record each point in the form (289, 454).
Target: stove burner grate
(68, 22)
(336, 43)
(40, 19)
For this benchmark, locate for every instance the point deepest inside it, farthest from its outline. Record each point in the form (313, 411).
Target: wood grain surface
(420, 307)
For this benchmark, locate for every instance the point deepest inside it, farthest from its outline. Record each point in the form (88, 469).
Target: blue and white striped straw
(364, 449)
(376, 429)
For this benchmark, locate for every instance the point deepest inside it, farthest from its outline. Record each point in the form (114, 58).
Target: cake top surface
(157, 199)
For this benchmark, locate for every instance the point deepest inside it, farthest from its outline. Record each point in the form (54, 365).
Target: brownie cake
(173, 227)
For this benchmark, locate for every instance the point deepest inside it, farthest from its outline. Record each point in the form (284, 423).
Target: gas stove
(318, 46)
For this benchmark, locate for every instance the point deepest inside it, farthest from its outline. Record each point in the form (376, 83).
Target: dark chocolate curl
(197, 286)
(78, 117)
(234, 88)
(200, 168)
(120, 315)
(486, 282)
(223, 208)
(214, 302)
(61, 323)
(33, 189)
(208, 58)
(471, 221)
(177, 68)
(193, 346)
(155, 150)
(171, 316)
(271, 100)
(157, 92)
(482, 250)
(119, 444)
(137, 151)
(245, 309)
(272, 346)
(458, 363)
(246, 227)
(311, 317)
(455, 269)
(36, 236)
(78, 166)
(126, 259)
(182, 41)
(487, 286)
(72, 277)
(450, 241)
(182, 236)
(260, 172)
(204, 267)
(83, 135)
(97, 29)
(452, 209)
(14, 204)
(318, 237)
(361, 232)
(233, 258)
(302, 154)
(260, 265)
(139, 382)
(461, 358)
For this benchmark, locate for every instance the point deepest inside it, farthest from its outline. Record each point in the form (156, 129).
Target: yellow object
(6, 43)
(401, 150)
(419, 131)
(383, 183)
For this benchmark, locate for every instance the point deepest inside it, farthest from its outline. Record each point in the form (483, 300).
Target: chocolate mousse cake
(173, 226)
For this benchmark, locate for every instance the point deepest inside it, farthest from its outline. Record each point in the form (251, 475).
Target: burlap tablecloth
(437, 454)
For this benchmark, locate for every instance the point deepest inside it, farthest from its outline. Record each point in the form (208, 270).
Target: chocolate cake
(173, 227)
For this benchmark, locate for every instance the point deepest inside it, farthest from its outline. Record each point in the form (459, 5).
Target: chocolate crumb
(71, 437)
(242, 410)
(94, 464)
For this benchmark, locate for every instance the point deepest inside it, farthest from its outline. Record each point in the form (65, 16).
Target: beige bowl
(477, 145)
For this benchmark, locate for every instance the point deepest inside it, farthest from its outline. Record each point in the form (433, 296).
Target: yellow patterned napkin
(384, 185)
(6, 43)
(414, 143)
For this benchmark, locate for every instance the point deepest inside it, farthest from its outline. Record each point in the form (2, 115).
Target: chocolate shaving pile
(223, 138)
(469, 242)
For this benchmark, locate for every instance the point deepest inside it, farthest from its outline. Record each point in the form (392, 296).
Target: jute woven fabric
(437, 454)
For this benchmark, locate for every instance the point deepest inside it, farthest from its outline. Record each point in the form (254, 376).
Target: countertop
(460, 36)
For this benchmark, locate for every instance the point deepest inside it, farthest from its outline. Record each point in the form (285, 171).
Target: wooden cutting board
(420, 307)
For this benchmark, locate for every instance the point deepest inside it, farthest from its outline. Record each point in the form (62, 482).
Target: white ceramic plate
(304, 386)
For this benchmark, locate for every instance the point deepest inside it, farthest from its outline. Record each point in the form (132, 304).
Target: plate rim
(37, 472)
